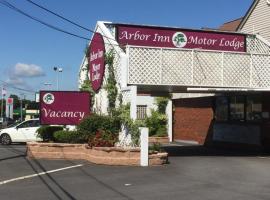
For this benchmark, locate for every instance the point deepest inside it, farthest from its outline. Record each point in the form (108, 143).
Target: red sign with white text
(9, 101)
(96, 61)
(63, 107)
(180, 38)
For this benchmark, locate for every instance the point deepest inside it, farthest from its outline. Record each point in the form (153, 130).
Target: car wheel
(5, 139)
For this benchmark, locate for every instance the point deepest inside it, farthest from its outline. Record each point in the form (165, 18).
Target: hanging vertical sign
(96, 61)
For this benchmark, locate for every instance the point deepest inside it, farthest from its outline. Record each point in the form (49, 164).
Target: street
(194, 172)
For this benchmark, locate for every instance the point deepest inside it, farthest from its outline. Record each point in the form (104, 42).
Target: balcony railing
(197, 68)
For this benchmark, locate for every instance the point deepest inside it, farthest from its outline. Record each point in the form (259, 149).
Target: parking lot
(194, 172)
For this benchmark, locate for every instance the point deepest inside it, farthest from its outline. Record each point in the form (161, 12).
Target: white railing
(197, 68)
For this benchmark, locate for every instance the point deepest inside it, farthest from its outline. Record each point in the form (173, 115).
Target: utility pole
(2, 102)
(22, 95)
(3, 93)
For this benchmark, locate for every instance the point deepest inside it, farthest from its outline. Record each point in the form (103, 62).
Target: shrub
(162, 103)
(155, 147)
(69, 137)
(46, 132)
(103, 139)
(157, 124)
(90, 125)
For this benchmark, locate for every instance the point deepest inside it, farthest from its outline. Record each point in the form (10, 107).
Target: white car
(22, 132)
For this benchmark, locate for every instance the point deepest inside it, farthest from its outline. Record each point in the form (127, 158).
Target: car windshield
(15, 124)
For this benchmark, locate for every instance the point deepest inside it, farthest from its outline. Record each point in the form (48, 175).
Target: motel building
(218, 81)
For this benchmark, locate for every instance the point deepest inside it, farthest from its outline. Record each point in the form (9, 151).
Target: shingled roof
(231, 25)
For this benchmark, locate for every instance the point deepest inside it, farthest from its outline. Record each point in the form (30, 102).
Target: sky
(29, 50)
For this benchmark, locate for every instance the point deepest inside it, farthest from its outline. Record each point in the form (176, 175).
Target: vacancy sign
(96, 61)
(63, 107)
(180, 38)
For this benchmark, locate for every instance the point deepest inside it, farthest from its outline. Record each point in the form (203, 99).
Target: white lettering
(124, 35)
(45, 112)
(134, 36)
(161, 38)
(201, 41)
(62, 114)
(96, 55)
(231, 43)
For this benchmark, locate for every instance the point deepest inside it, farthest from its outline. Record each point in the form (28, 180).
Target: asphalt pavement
(193, 172)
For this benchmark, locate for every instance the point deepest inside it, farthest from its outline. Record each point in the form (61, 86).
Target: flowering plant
(103, 139)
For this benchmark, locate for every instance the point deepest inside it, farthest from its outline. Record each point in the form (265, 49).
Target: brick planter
(97, 155)
(161, 140)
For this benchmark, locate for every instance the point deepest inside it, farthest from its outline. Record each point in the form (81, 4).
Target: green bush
(46, 132)
(69, 137)
(90, 125)
(157, 124)
(162, 103)
(155, 147)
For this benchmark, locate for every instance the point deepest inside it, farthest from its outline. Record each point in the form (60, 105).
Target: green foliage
(103, 139)
(46, 132)
(87, 86)
(162, 103)
(111, 87)
(155, 147)
(157, 124)
(91, 124)
(63, 136)
(123, 113)
(86, 51)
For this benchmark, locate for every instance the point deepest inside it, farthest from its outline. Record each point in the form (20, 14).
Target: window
(141, 111)
(254, 108)
(238, 108)
(30, 123)
(222, 108)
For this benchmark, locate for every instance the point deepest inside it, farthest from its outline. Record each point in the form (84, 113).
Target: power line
(64, 18)
(9, 5)
(5, 3)
(16, 88)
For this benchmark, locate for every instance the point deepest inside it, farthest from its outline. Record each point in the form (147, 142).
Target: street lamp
(57, 70)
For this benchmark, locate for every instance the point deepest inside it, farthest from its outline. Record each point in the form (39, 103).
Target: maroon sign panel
(63, 107)
(96, 61)
(177, 38)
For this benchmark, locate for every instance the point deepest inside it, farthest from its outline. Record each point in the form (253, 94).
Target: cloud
(16, 81)
(26, 71)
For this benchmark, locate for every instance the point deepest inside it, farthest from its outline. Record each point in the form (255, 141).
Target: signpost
(63, 107)
(9, 108)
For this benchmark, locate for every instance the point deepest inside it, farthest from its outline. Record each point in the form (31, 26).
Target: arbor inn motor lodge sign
(63, 107)
(96, 61)
(180, 38)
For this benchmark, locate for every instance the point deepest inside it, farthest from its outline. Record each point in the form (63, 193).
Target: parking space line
(38, 174)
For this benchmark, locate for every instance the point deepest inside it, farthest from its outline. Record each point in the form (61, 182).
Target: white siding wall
(259, 20)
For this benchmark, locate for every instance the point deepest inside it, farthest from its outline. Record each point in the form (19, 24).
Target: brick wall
(193, 119)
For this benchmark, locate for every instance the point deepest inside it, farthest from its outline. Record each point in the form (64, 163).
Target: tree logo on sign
(48, 98)
(179, 39)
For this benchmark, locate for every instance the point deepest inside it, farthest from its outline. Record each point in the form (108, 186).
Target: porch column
(133, 102)
(170, 120)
